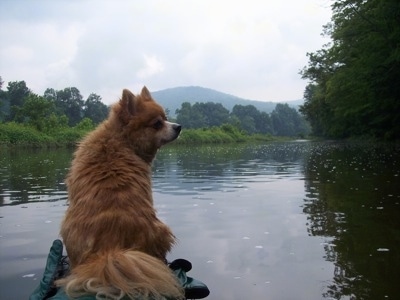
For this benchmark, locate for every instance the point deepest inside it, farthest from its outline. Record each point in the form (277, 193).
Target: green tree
(94, 109)
(248, 124)
(85, 124)
(55, 122)
(264, 123)
(287, 121)
(282, 120)
(355, 77)
(251, 119)
(316, 110)
(184, 115)
(245, 110)
(3, 100)
(197, 118)
(247, 116)
(234, 121)
(50, 94)
(69, 102)
(17, 91)
(35, 111)
(210, 114)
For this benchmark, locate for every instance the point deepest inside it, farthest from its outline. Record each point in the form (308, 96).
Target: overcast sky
(247, 48)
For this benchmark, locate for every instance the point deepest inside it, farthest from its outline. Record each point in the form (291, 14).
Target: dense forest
(53, 109)
(283, 120)
(67, 108)
(354, 81)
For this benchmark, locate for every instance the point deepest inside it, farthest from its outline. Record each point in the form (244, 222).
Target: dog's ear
(145, 94)
(127, 104)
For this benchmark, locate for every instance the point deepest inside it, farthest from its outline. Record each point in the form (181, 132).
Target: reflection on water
(353, 199)
(32, 175)
(296, 220)
(225, 168)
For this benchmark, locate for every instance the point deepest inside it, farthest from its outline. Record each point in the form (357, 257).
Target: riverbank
(14, 134)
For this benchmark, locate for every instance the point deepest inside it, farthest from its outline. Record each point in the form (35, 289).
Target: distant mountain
(174, 97)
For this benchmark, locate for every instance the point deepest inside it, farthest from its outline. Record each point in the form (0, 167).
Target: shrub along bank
(15, 134)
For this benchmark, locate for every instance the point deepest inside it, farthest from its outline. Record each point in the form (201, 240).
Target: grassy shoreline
(19, 135)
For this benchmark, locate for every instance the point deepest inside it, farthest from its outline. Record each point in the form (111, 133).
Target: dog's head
(143, 123)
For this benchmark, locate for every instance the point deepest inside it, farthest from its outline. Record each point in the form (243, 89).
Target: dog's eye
(158, 124)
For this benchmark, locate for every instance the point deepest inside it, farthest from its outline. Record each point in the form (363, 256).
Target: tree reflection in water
(352, 200)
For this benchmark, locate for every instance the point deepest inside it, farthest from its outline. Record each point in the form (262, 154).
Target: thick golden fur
(116, 244)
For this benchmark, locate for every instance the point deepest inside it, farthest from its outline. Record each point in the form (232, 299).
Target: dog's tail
(120, 273)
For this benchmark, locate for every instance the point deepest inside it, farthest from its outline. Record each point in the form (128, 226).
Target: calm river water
(281, 221)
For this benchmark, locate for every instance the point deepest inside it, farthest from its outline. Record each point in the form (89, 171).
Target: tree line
(354, 81)
(55, 108)
(283, 120)
(66, 107)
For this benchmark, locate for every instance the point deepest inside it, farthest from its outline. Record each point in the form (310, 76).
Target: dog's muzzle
(177, 128)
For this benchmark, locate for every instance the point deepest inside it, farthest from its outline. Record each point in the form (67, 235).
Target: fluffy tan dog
(116, 244)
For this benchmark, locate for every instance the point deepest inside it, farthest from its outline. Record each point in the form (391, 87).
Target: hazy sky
(248, 48)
